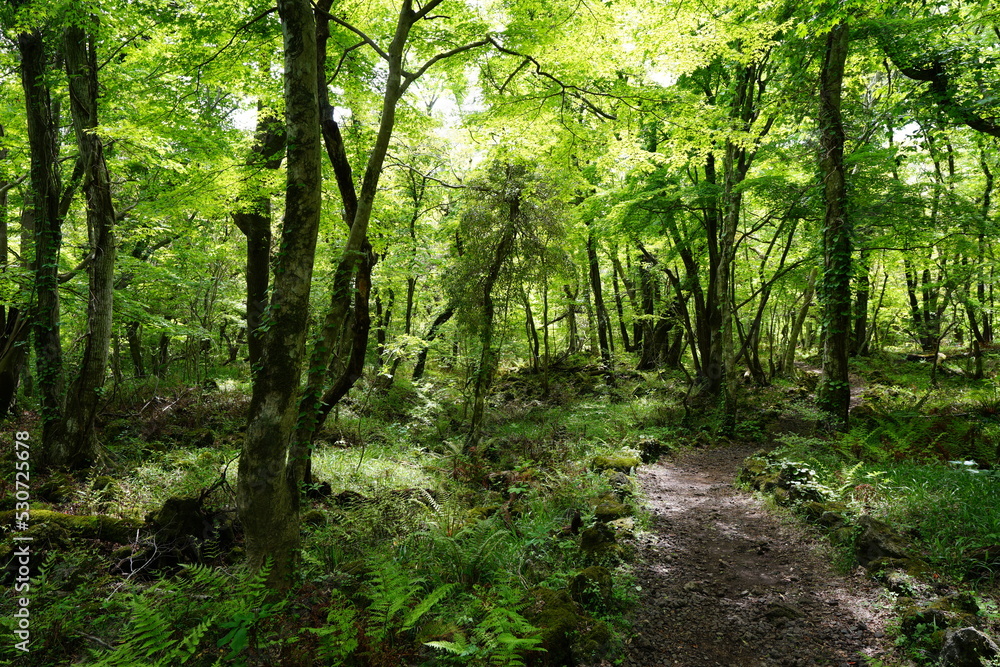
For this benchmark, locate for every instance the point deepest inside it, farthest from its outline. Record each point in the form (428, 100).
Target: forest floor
(728, 582)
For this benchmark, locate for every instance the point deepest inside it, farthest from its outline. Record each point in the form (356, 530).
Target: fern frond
(426, 604)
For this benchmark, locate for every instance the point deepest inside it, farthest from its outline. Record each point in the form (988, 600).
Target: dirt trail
(727, 583)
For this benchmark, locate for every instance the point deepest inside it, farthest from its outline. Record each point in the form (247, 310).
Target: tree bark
(600, 311)
(253, 218)
(267, 496)
(42, 118)
(432, 332)
(834, 394)
(79, 446)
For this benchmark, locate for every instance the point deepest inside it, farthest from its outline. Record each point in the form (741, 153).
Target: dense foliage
(441, 257)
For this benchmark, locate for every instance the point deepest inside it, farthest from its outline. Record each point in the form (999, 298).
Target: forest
(523, 332)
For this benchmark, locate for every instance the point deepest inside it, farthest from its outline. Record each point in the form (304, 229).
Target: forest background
(306, 230)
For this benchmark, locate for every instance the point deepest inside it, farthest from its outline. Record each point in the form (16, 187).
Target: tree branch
(410, 78)
(575, 91)
(365, 38)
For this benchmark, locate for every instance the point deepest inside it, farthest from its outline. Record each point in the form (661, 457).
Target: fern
(160, 631)
(500, 639)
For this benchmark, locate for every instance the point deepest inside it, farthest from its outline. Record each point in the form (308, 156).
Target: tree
(267, 494)
(834, 394)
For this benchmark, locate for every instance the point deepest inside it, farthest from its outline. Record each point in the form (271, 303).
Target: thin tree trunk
(788, 359)
(531, 332)
(600, 311)
(253, 218)
(432, 332)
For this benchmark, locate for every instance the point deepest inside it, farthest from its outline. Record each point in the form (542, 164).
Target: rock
(569, 636)
(951, 611)
(592, 587)
(827, 514)
(608, 509)
(776, 610)
(93, 527)
(623, 463)
(620, 483)
(599, 542)
(650, 448)
(624, 527)
(913, 567)
(875, 539)
(967, 647)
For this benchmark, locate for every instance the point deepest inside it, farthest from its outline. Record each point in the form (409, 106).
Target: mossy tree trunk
(79, 447)
(834, 394)
(266, 494)
(42, 116)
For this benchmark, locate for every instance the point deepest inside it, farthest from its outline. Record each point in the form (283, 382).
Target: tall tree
(266, 493)
(834, 394)
(78, 445)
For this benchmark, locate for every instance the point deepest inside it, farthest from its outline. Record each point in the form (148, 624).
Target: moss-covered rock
(650, 448)
(951, 611)
(875, 539)
(829, 514)
(599, 543)
(620, 483)
(96, 527)
(592, 587)
(569, 636)
(968, 647)
(624, 463)
(606, 509)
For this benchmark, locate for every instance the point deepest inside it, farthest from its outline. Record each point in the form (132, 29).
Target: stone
(951, 611)
(607, 510)
(599, 542)
(624, 463)
(592, 587)
(967, 647)
(569, 636)
(875, 539)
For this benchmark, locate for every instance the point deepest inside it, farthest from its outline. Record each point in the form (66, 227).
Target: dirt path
(727, 583)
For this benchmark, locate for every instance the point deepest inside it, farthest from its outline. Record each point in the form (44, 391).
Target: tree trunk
(432, 332)
(266, 494)
(600, 311)
(859, 341)
(834, 394)
(79, 446)
(43, 139)
(531, 332)
(788, 358)
(573, 335)
(490, 354)
(253, 218)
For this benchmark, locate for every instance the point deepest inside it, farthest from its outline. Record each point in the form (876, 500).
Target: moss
(607, 509)
(96, 527)
(569, 636)
(621, 462)
(597, 539)
(951, 611)
(592, 587)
